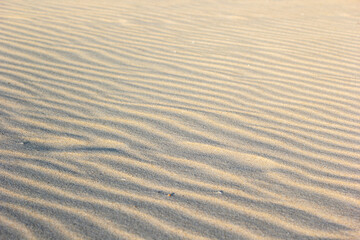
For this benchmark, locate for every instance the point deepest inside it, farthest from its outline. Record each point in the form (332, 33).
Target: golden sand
(180, 119)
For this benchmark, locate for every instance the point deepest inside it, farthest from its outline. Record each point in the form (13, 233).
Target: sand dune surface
(180, 119)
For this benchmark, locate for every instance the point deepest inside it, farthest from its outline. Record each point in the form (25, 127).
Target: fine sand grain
(209, 119)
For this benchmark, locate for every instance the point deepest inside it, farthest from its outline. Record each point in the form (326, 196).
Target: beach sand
(180, 119)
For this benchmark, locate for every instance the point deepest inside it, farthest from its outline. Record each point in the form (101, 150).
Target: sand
(209, 119)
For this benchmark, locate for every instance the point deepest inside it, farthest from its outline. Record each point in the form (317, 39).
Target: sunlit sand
(180, 119)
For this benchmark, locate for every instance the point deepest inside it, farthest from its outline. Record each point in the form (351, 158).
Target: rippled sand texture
(246, 112)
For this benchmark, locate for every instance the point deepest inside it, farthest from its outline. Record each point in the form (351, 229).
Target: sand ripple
(248, 116)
